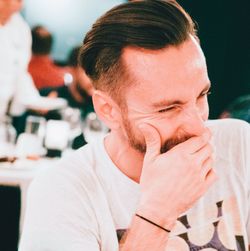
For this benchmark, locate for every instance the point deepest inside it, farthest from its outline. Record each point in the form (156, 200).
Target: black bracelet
(168, 231)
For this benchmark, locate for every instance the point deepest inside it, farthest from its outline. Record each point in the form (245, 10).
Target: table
(21, 173)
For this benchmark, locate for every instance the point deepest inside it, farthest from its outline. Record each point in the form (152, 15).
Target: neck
(127, 160)
(41, 56)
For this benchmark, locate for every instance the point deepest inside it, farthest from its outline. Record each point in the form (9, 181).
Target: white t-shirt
(15, 52)
(85, 201)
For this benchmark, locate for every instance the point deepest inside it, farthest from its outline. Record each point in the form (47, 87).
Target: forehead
(172, 72)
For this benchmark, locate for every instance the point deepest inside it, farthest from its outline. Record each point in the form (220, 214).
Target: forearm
(143, 236)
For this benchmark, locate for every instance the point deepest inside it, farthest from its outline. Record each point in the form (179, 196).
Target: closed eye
(206, 93)
(169, 108)
(173, 107)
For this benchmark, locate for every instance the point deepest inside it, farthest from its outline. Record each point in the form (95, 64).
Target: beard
(140, 145)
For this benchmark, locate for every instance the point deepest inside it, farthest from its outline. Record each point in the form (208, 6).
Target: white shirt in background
(15, 53)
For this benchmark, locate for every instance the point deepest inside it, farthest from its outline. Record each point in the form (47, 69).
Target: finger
(194, 144)
(207, 167)
(152, 140)
(204, 153)
(211, 177)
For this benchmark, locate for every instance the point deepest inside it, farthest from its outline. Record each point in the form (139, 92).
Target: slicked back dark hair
(41, 40)
(148, 24)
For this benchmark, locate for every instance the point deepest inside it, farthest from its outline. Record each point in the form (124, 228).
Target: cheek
(165, 127)
(205, 115)
(204, 110)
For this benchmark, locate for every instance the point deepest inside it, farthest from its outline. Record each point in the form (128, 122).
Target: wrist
(158, 216)
(153, 223)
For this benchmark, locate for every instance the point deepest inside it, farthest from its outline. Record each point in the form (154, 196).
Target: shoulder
(231, 138)
(72, 173)
(69, 187)
(229, 128)
(17, 27)
(18, 21)
(61, 206)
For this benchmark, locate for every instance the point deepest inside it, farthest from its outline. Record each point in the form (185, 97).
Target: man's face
(8, 8)
(170, 93)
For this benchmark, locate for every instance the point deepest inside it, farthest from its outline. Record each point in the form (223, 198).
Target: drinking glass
(31, 141)
(73, 117)
(93, 128)
(7, 137)
(57, 135)
(36, 125)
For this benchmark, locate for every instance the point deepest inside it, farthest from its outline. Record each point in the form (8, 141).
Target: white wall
(68, 20)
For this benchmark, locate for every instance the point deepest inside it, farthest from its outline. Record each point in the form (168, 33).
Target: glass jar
(7, 136)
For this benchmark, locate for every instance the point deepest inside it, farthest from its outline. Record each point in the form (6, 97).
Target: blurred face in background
(8, 8)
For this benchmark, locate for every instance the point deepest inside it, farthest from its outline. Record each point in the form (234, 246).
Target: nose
(193, 122)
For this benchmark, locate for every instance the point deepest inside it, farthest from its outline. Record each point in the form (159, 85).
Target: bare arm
(144, 236)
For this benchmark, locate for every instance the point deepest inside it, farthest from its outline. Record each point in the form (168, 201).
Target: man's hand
(173, 181)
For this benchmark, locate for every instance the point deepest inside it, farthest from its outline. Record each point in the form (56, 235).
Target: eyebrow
(166, 103)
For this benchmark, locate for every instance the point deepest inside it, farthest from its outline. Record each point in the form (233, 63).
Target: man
(15, 50)
(78, 92)
(43, 70)
(153, 180)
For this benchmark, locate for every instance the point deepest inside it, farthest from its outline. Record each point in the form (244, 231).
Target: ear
(107, 110)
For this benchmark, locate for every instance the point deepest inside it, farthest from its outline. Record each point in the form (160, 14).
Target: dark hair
(73, 56)
(149, 24)
(41, 40)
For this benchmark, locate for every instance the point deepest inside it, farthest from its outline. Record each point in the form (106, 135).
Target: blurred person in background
(16, 84)
(78, 93)
(79, 89)
(239, 109)
(42, 68)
